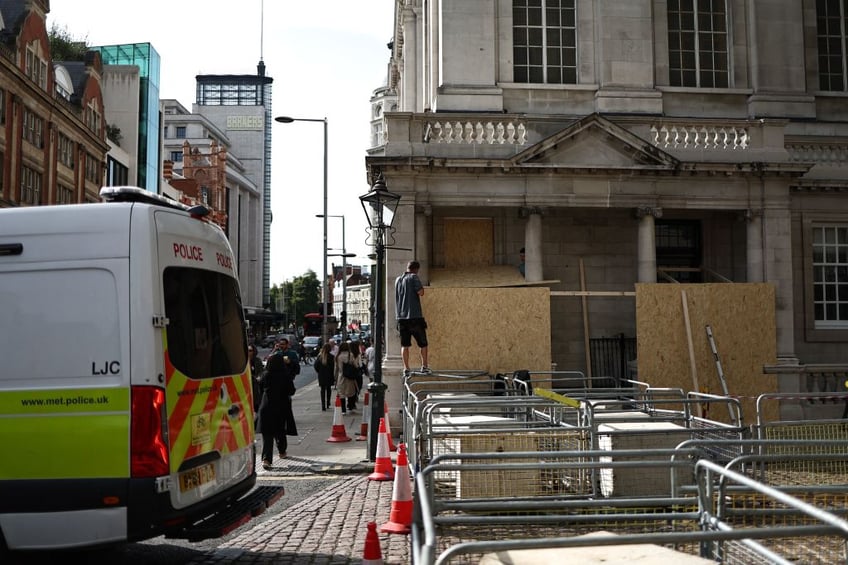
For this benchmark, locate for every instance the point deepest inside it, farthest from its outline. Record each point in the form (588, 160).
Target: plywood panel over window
(742, 319)
(469, 242)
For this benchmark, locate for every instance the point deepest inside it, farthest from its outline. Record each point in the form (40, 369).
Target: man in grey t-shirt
(410, 318)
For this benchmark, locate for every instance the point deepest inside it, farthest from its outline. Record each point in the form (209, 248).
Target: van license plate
(196, 477)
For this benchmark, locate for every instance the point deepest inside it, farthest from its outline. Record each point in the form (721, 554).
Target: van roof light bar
(135, 194)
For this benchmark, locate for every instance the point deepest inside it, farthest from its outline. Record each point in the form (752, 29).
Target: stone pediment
(595, 142)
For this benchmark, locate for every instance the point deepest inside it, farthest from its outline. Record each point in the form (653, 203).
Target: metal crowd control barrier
(705, 519)
(419, 388)
(505, 425)
(801, 438)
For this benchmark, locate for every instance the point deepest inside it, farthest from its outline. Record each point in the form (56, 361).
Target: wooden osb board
(498, 330)
(743, 323)
(491, 276)
(469, 242)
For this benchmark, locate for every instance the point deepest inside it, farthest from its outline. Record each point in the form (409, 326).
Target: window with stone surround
(67, 151)
(33, 130)
(544, 44)
(93, 117)
(35, 65)
(698, 52)
(92, 168)
(832, 32)
(30, 186)
(64, 195)
(830, 276)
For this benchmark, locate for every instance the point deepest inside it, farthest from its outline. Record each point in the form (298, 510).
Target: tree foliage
(64, 47)
(297, 297)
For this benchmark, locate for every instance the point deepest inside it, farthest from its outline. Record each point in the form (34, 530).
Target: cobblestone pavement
(329, 526)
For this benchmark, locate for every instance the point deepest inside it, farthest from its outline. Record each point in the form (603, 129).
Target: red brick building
(52, 130)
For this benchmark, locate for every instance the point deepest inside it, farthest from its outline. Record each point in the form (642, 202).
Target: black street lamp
(380, 206)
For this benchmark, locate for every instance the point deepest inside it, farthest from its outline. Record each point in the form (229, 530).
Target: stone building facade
(703, 139)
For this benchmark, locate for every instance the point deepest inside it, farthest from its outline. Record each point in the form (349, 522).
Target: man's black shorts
(413, 327)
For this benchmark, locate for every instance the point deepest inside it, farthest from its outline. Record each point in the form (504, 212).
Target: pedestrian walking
(369, 358)
(256, 368)
(359, 362)
(410, 317)
(346, 370)
(276, 419)
(325, 367)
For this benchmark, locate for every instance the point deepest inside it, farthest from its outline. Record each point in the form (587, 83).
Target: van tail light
(148, 446)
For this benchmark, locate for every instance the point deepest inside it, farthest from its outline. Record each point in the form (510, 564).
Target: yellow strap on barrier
(562, 399)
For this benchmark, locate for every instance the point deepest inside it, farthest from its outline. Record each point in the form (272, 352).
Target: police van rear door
(209, 409)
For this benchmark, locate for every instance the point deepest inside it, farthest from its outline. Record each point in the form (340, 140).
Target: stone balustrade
(512, 132)
(680, 136)
(834, 154)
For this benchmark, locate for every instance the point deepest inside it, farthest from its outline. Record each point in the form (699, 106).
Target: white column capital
(653, 211)
(527, 211)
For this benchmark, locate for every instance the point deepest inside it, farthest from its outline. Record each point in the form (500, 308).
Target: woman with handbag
(347, 370)
(325, 367)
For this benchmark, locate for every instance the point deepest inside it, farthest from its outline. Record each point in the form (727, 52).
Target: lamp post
(380, 206)
(288, 120)
(344, 255)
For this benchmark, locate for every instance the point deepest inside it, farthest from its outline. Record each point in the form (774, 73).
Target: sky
(326, 59)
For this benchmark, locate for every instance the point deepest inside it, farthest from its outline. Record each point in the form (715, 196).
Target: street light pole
(345, 255)
(288, 120)
(380, 206)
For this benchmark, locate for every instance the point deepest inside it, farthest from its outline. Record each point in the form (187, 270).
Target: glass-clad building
(145, 57)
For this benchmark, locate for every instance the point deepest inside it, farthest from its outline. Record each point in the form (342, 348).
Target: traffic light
(343, 319)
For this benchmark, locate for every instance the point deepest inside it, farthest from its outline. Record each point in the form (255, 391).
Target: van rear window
(206, 329)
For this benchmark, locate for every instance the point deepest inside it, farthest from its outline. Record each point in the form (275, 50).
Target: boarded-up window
(469, 242)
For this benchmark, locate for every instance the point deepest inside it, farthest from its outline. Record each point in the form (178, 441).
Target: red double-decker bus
(313, 321)
(312, 324)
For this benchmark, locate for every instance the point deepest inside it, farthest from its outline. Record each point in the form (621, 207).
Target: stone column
(409, 83)
(778, 270)
(754, 241)
(647, 245)
(533, 246)
(422, 242)
(403, 236)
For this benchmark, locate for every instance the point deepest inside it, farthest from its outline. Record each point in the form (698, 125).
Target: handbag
(350, 371)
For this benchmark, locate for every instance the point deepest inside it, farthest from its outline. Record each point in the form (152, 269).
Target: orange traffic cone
(400, 518)
(366, 417)
(372, 554)
(392, 446)
(383, 470)
(339, 433)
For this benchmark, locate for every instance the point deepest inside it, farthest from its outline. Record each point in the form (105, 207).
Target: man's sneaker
(406, 373)
(425, 370)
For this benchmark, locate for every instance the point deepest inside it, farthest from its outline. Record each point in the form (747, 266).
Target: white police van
(125, 397)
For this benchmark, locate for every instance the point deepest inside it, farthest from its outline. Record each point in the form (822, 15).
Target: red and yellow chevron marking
(198, 418)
